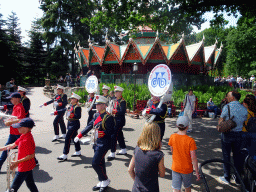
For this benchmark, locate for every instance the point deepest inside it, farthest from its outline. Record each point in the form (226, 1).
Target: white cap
(182, 120)
(60, 87)
(117, 88)
(100, 99)
(90, 91)
(22, 89)
(75, 96)
(106, 87)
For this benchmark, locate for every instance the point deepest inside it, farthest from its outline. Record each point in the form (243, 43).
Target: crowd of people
(147, 162)
(236, 82)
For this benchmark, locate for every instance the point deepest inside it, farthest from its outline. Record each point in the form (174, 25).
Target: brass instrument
(90, 104)
(159, 87)
(111, 106)
(10, 173)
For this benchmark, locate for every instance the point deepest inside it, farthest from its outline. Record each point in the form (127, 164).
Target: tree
(241, 48)
(174, 16)
(14, 63)
(63, 27)
(36, 54)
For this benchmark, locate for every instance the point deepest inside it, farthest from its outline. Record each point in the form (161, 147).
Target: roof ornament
(78, 45)
(203, 38)
(157, 34)
(182, 37)
(106, 38)
(221, 46)
(216, 42)
(89, 41)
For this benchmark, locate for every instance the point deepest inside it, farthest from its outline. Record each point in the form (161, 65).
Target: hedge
(203, 93)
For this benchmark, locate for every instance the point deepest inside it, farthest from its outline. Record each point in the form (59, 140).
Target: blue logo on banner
(91, 84)
(159, 81)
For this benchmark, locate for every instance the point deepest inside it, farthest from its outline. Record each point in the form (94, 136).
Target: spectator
(10, 85)
(189, 107)
(61, 79)
(240, 82)
(212, 107)
(252, 79)
(148, 160)
(249, 104)
(233, 81)
(216, 81)
(232, 140)
(223, 81)
(68, 79)
(183, 150)
(245, 83)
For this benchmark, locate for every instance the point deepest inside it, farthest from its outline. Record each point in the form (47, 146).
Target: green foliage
(203, 93)
(240, 48)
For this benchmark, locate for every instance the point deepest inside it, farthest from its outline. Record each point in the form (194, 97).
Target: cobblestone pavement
(77, 174)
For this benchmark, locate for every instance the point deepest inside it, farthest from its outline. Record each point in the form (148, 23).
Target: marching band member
(25, 101)
(160, 113)
(73, 116)
(105, 90)
(104, 124)
(60, 101)
(119, 114)
(19, 112)
(93, 109)
(26, 155)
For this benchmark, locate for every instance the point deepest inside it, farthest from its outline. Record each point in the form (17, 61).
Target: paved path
(77, 174)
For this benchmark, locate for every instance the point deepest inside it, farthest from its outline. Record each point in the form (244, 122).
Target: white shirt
(190, 105)
(252, 79)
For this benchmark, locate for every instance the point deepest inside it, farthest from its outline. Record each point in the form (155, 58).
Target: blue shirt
(238, 111)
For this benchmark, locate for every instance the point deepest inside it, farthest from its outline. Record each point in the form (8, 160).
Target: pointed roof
(161, 55)
(144, 49)
(98, 53)
(194, 51)
(154, 52)
(85, 54)
(131, 45)
(217, 54)
(179, 50)
(111, 53)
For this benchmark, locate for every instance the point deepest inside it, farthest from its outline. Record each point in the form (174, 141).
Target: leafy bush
(203, 93)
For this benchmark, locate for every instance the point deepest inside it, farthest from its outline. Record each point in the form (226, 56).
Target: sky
(28, 10)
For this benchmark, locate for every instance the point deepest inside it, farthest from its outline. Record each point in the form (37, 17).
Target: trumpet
(10, 173)
(111, 106)
(90, 104)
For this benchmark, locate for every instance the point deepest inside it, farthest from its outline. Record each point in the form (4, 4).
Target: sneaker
(105, 183)
(97, 187)
(63, 136)
(55, 138)
(62, 157)
(111, 156)
(122, 152)
(76, 154)
(224, 180)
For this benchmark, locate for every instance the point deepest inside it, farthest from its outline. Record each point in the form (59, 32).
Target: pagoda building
(189, 63)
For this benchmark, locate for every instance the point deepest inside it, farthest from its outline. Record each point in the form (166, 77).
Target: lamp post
(135, 69)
